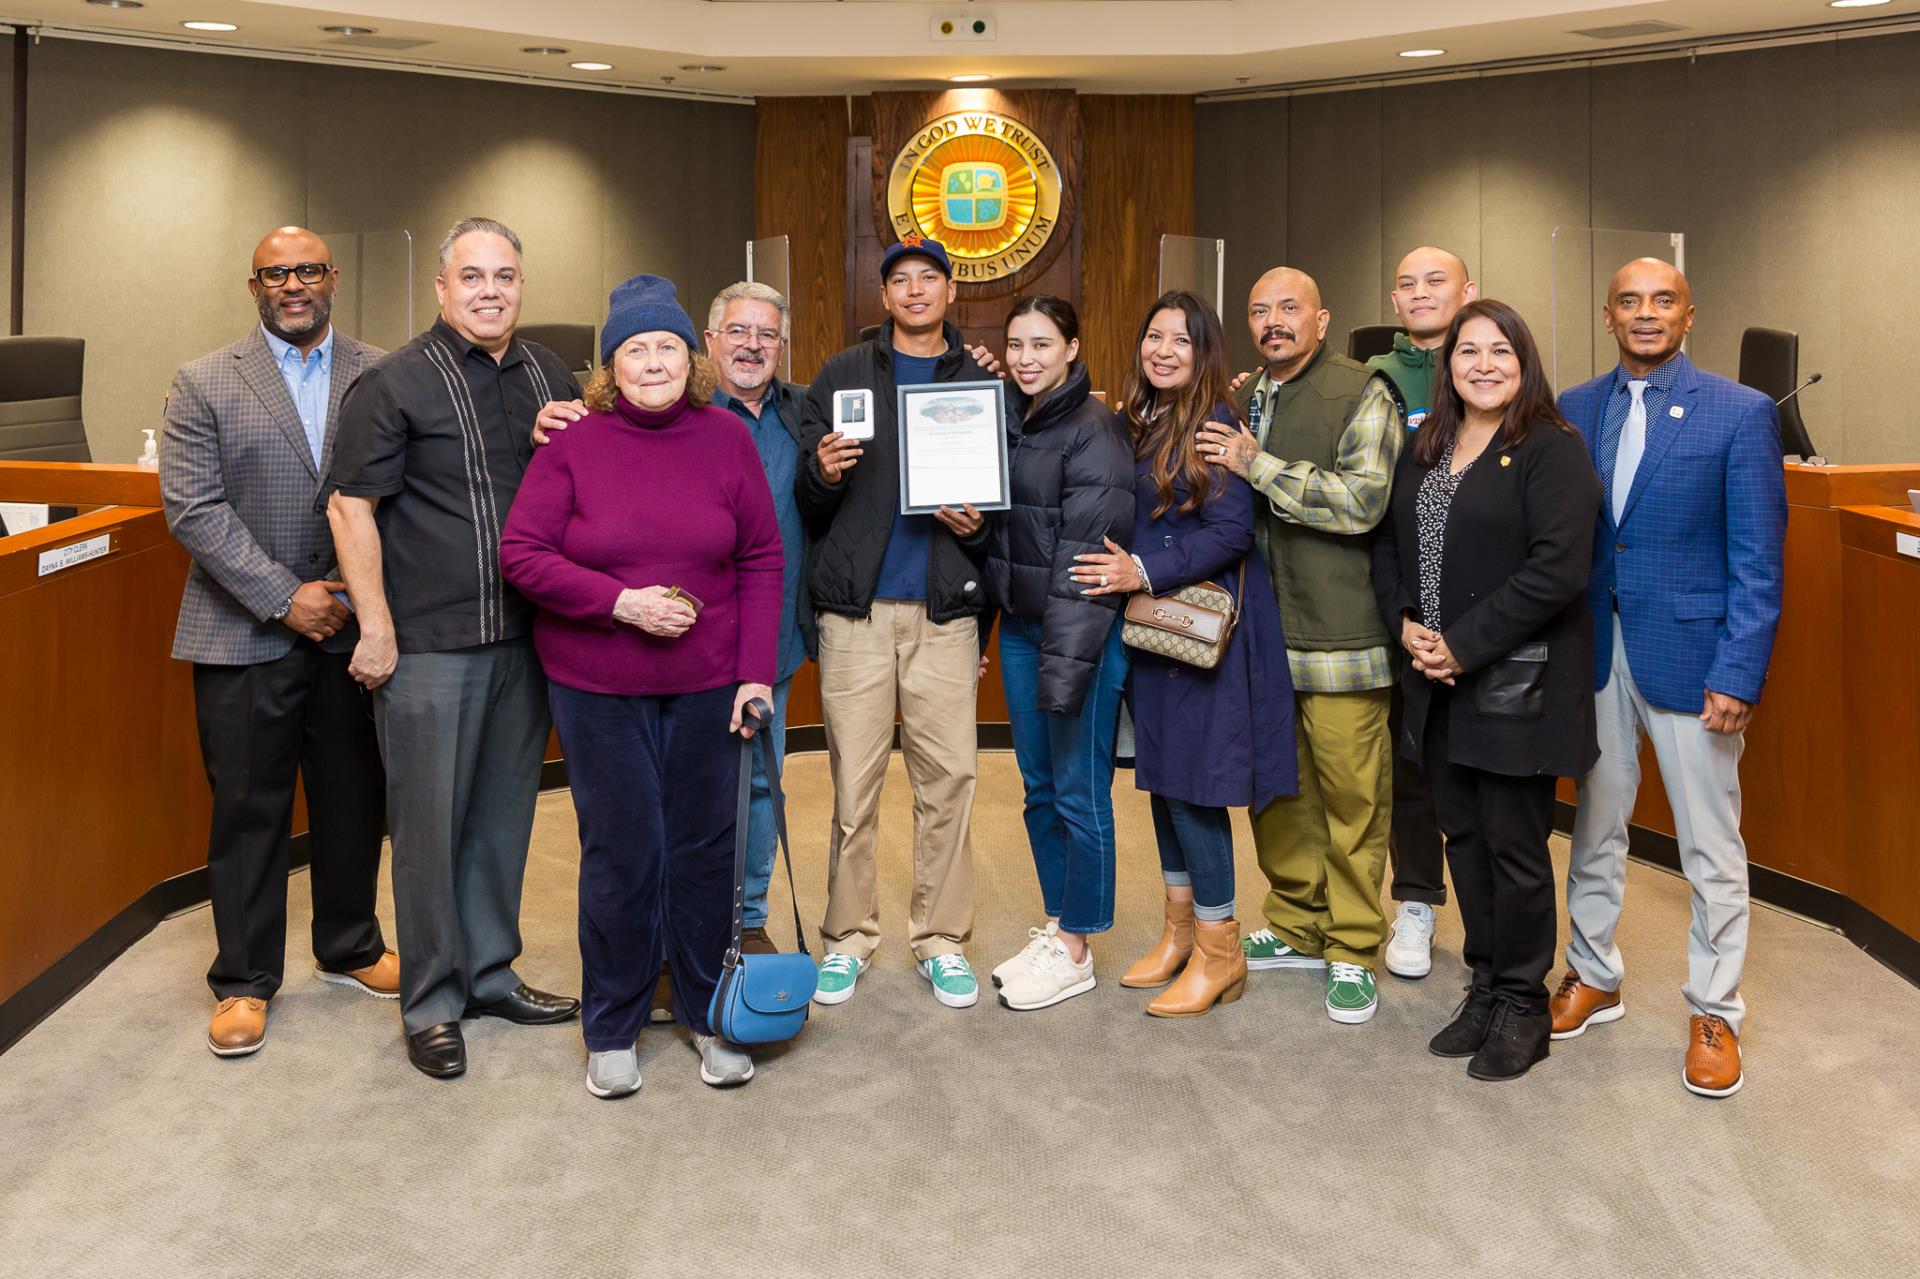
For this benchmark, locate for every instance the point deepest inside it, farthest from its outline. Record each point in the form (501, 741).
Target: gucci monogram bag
(1191, 625)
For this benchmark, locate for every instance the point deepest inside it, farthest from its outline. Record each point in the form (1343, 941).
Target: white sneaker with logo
(1409, 951)
(1037, 939)
(1049, 978)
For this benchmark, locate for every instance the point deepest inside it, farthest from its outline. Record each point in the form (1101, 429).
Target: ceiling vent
(1629, 31)
(388, 44)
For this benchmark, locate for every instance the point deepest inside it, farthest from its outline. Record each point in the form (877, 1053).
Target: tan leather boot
(1217, 972)
(1164, 962)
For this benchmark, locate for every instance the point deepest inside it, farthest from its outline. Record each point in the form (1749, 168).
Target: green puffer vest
(1323, 580)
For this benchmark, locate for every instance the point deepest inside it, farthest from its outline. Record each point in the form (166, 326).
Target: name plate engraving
(74, 553)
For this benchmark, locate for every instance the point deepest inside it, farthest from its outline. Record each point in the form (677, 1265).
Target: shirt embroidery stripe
(479, 489)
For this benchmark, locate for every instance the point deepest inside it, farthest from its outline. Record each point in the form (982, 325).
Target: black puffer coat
(850, 522)
(1071, 468)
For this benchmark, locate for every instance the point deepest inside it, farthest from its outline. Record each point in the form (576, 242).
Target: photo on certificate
(953, 447)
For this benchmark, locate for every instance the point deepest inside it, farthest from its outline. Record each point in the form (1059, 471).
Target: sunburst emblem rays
(975, 194)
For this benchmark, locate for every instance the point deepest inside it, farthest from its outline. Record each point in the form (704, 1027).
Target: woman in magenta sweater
(647, 538)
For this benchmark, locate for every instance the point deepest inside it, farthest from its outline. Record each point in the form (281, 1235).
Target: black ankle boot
(1515, 1041)
(1468, 1029)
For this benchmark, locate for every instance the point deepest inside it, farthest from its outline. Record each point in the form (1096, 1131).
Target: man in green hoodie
(1429, 288)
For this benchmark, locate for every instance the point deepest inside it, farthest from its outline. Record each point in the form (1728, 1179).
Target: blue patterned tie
(1609, 448)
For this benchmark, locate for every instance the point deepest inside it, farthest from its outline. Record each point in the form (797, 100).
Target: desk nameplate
(75, 553)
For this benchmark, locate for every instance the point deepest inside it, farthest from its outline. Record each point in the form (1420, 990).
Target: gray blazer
(239, 484)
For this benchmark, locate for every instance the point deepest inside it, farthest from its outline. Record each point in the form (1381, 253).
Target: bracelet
(286, 607)
(1146, 583)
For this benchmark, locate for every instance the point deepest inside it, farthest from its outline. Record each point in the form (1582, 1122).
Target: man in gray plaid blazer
(249, 433)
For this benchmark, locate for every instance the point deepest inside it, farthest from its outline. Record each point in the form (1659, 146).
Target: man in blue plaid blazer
(1685, 596)
(248, 435)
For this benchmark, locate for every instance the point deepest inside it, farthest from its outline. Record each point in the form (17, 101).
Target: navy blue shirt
(903, 571)
(780, 455)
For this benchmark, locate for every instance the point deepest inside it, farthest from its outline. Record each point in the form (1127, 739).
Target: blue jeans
(1196, 848)
(1066, 762)
(763, 841)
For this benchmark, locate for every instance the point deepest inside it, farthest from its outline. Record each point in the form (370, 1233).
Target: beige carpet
(897, 1137)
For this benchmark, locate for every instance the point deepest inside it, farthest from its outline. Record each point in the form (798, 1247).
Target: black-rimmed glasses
(274, 277)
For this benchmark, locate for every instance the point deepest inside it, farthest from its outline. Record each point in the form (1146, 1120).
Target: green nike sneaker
(1264, 950)
(953, 981)
(1351, 997)
(837, 975)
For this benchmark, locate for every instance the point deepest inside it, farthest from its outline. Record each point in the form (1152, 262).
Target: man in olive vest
(1322, 436)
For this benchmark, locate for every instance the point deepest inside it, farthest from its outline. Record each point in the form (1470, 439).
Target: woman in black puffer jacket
(1060, 654)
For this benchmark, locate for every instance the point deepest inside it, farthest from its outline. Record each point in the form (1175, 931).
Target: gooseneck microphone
(1811, 379)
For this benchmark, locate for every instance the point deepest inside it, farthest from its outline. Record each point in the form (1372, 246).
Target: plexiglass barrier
(768, 264)
(1584, 261)
(375, 299)
(1199, 266)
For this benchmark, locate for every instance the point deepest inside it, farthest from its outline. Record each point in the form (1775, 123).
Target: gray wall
(151, 175)
(1794, 172)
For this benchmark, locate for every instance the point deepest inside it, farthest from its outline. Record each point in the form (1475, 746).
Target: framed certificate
(953, 447)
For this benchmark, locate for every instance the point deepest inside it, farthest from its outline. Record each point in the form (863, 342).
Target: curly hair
(701, 381)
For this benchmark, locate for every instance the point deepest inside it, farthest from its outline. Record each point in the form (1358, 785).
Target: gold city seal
(982, 184)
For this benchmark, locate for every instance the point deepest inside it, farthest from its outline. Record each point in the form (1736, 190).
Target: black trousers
(1419, 869)
(1497, 828)
(260, 726)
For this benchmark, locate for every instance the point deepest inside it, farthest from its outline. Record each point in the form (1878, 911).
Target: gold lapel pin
(1506, 459)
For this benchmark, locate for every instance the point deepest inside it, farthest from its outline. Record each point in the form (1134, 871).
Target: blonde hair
(601, 392)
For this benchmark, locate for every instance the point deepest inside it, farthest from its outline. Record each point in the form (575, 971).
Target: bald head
(1287, 320)
(292, 283)
(1649, 311)
(1429, 287)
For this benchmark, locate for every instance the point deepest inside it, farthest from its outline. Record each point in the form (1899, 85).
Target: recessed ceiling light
(349, 31)
(1421, 53)
(974, 77)
(118, 4)
(546, 50)
(700, 66)
(1854, 4)
(591, 66)
(210, 26)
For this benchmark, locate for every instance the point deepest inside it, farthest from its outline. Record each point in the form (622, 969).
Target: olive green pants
(1324, 850)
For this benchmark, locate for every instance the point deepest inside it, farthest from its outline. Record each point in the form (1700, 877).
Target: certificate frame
(919, 411)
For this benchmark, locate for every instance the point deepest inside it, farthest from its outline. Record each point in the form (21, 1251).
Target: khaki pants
(1325, 849)
(868, 668)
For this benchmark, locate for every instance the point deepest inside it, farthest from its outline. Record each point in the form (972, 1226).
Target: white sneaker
(1050, 977)
(1037, 939)
(1410, 950)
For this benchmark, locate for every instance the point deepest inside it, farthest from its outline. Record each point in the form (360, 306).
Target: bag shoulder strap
(740, 828)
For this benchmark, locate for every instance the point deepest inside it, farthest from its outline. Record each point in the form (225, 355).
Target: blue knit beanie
(644, 304)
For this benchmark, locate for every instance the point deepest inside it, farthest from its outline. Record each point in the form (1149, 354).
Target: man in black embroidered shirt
(433, 441)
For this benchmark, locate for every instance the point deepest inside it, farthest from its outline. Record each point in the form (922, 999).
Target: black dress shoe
(440, 1051)
(525, 1006)
(1515, 1041)
(1468, 1029)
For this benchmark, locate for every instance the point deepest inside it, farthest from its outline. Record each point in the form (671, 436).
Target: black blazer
(1518, 549)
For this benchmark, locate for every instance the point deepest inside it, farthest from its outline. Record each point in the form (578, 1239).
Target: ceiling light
(591, 66)
(1421, 53)
(973, 77)
(700, 66)
(349, 31)
(1854, 4)
(545, 50)
(118, 4)
(210, 26)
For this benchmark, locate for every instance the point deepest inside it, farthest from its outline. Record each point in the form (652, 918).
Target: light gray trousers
(1702, 775)
(462, 734)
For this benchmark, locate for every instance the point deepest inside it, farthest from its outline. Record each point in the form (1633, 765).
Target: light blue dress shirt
(308, 380)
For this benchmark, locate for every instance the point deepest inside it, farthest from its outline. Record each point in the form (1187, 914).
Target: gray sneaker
(614, 1074)
(722, 1064)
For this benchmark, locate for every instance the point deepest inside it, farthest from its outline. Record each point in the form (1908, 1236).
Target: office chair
(1369, 340)
(40, 380)
(573, 343)
(1770, 364)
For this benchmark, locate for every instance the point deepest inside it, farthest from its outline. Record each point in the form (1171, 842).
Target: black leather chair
(1770, 364)
(571, 342)
(40, 380)
(1369, 340)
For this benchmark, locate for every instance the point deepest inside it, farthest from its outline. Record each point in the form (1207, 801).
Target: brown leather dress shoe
(240, 1027)
(754, 941)
(1576, 1006)
(1713, 1058)
(381, 978)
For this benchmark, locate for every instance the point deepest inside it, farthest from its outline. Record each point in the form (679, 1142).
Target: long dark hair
(1163, 429)
(1059, 313)
(1531, 407)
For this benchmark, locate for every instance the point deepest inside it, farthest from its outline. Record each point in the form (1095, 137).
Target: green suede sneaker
(1264, 950)
(837, 975)
(952, 978)
(1351, 997)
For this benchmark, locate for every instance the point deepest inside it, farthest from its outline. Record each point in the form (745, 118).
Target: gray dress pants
(462, 734)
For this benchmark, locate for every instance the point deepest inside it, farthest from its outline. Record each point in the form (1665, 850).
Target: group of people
(1444, 587)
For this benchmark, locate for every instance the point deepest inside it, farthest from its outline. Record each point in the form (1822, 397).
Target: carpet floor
(898, 1137)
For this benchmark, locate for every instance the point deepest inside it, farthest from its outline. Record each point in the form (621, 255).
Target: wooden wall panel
(1137, 186)
(798, 161)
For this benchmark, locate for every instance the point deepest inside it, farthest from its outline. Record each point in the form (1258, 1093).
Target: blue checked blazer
(1695, 563)
(238, 481)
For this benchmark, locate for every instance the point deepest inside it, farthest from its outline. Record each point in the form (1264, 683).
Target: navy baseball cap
(916, 245)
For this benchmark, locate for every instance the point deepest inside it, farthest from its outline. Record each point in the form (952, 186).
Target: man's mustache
(1275, 331)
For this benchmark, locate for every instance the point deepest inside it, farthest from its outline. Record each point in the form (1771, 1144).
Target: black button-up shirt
(441, 433)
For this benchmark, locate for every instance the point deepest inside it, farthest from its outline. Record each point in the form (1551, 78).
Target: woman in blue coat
(1206, 741)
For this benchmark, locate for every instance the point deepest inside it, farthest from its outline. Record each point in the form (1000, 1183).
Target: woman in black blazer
(1481, 570)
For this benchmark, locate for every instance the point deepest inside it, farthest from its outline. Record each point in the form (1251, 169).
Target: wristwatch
(280, 614)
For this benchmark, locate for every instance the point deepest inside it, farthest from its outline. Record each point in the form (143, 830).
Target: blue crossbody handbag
(761, 999)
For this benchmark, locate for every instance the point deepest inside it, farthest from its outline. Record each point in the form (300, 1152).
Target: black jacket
(1071, 471)
(850, 521)
(1518, 547)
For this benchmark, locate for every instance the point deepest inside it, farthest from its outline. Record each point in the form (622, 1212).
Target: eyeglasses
(741, 335)
(274, 277)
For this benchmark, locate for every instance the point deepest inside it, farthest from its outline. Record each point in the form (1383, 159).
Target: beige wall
(152, 174)
(1794, 172)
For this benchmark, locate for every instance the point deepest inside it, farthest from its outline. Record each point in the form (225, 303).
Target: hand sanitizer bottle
(150, 452)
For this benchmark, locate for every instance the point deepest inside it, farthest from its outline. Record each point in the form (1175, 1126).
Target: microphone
(1811, 379)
